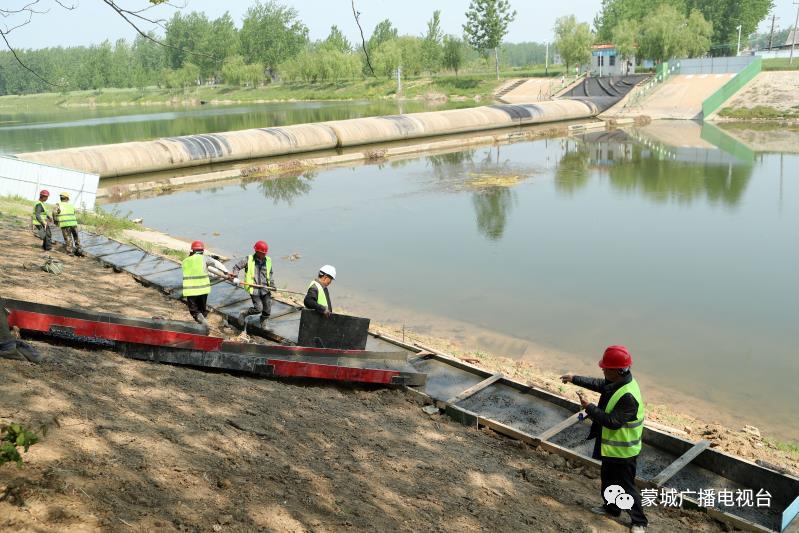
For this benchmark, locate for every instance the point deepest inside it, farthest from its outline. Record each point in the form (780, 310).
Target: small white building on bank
(607, 61)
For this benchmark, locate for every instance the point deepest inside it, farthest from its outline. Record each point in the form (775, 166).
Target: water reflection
(638, 162)
(287, 187)
(490, 179)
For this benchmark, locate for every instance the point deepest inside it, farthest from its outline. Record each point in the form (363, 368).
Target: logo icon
(615, 495)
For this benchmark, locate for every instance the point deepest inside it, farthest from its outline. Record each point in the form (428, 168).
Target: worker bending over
(41, 221)
(318, 297)
(258, 280)
(196, 281)
(618, 424)
(64, 215)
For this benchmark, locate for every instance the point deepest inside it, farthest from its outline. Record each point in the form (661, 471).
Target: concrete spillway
(193, 150)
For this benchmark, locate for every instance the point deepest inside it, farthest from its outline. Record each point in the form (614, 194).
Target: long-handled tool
(267, 287)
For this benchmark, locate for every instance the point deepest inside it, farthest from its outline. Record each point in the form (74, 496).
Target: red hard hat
(616, 357)
(261, 246)
(197, 246)
(44, 192)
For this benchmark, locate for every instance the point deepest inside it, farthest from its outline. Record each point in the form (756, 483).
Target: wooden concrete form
(680, 463)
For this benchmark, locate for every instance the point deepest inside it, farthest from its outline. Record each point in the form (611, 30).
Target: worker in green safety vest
(67, 219)
(318, 296)
(618, 425)
(197, 271)
(41, 220)
(258, 282)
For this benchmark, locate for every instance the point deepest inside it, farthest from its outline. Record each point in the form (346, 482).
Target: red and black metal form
(184, 343)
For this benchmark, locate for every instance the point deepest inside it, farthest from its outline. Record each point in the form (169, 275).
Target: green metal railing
(662, 73)
(714, 101)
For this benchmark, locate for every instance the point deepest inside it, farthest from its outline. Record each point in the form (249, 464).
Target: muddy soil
(135, 446)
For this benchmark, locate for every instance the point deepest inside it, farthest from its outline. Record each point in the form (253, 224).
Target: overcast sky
(92, 22)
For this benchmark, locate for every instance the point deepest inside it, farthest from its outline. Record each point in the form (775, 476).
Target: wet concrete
(693, 478)
(445, 381)
(167, 280)
(89, 239)
(573, 438)
(524, 412)
(287, 327)
(223, 294)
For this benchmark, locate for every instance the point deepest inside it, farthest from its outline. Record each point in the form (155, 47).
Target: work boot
(637, 529)
(602, 511)
(201, 319)
(262, 323)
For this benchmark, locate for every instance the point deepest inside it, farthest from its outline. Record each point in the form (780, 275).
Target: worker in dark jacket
(318, 297)
(618, 424)
(258, 280)
(41, 220)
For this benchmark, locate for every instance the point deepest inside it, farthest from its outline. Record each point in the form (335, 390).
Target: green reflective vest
(195, 276)
(66, 215)
(44, 213)
(249, 276)
(625, 441)
(321, 298)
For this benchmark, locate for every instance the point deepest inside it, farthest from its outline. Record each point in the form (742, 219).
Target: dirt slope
(136, 446)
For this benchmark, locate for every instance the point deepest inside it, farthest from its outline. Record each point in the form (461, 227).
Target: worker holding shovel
(259, 281)
(197, 269)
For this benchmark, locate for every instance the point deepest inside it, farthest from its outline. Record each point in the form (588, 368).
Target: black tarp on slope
(604, 92)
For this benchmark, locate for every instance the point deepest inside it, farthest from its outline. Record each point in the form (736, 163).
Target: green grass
(791, 448)
(110, 223)
(761, 112)
(781, 63)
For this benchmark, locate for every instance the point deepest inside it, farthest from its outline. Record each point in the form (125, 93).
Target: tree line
(660, 30)
(271, 43)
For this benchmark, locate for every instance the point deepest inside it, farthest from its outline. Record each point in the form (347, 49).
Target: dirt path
(136, 446)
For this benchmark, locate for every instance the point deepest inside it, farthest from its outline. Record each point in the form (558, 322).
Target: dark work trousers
(43, 232)
(197, 305)
(622, 472)
(71, 240)
(261, 304)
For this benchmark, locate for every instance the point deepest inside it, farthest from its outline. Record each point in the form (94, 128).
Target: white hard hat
(330, 270)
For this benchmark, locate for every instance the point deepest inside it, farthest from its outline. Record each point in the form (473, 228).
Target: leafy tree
(625, 37)
(452, 54)
(524, 54)
(487, 24)
(667, 33)
(384, 32)
(272, 33)
(432, 43)
(613, 12)
(573, 40)
(726, 15)
(337, 41)
(405, 52)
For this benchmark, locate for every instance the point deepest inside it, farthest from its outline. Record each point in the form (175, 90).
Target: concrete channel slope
(477, 397)
(604, 92)
(531, 90)
(681, 96)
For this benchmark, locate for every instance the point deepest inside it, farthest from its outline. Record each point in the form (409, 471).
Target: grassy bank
(759, 112)
(781, 63)
(16, 211)
(475, 87)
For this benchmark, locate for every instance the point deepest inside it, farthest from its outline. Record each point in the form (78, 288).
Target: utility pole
(771, 35)
(399, 81)
(795, 31)
(738, 51)
(546, 59)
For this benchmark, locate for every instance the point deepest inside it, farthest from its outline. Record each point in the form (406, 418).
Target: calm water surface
(34, 130)
(686, 252)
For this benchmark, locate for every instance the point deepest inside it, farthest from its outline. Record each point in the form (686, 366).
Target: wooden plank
(680, 463)
(507, 430)
(557, 428)
(474, 389)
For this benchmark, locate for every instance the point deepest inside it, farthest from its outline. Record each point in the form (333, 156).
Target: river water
(675, 239)
(34, 129)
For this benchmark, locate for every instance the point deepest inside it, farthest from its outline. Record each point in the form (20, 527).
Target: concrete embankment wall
(195, 150)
